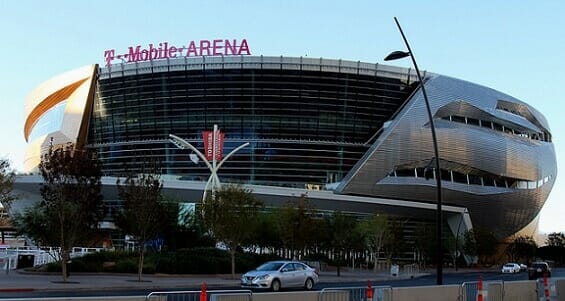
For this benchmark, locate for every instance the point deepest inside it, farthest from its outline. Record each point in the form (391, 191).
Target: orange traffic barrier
(369, 291)
(480, 289)
(203, 294)
(546, 287)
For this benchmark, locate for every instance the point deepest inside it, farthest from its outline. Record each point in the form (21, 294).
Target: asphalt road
(448, 278)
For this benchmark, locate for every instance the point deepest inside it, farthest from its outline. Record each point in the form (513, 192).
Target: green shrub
(53, 267)
(105, 256)
(164, 263)
(78, 265)
(183, 261)
(148, 268)
(126, 266)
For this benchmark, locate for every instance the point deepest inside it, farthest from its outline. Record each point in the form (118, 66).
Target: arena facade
(353, 136)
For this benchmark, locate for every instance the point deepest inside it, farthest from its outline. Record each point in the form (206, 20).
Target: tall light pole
(402, 54)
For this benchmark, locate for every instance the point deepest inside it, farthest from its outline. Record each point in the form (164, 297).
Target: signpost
(213, 149)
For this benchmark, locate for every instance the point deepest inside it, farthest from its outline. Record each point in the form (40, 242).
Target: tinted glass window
(304, 127)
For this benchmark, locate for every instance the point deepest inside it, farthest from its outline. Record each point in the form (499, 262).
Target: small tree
(453, 244)
(34, 222)
(143, 212)
(481, 243)
(6, 183)
(6, 197)
(296, 224)
(556, 239)
(375, 230)
(394, 242)
(521, 248)
(425, 243)
(266, 234)
(343, 236)
(71, 205)
(230, 214)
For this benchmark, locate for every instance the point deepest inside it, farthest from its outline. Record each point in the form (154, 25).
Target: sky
(511, 46)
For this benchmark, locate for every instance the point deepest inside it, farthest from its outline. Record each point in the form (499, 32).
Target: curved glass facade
(49, 122)
(305, 127)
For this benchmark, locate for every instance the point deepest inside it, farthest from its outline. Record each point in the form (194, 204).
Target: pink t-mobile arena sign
(165, 50)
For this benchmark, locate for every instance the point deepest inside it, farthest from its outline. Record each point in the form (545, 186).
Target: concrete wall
(560, 286)
(520, 290)
(426, 293)
(302, 296)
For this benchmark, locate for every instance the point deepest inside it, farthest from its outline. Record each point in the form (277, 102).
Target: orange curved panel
(49, 102)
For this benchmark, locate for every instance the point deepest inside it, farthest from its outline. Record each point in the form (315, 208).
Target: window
(475, 180)
(473, 121)
(446, 175)
(459, 177)
(405, 173)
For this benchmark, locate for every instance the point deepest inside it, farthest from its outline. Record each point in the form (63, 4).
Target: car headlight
(263, 277)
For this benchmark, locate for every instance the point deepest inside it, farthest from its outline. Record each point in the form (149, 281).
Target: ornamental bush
(183, 261)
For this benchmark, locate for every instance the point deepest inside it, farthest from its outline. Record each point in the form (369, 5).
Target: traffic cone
(369, 291)
(480, 289)
(546, 287)
(203, 294)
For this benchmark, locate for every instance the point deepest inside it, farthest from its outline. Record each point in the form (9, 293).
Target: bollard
(546, 287)
(480, 289)
(369, 291)
(203, 294)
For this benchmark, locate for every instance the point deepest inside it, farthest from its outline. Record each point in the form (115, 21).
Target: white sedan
(279, 274)
(511, 268)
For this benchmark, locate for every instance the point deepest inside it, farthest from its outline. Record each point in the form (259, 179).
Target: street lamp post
(402, 54)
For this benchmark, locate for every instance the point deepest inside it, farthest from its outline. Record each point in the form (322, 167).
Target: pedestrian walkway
(21, 281)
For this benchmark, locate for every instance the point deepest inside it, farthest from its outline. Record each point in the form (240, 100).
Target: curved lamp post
(402, 54)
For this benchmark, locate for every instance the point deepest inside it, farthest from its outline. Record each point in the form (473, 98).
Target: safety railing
(469, 291)
(8, 262)
(201, 295)
(358, 293)
(40, 255)
(482, 291)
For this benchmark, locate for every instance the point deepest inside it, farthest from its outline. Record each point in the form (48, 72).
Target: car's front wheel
(276, 285)
(309, 284)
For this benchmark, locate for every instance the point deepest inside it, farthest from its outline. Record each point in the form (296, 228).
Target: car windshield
(270, 266)
(538, 265)
(510, 265)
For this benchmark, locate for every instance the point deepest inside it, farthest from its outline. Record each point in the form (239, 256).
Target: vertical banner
(219, 146)
(209, 142)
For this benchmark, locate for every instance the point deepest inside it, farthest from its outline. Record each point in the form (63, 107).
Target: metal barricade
(213, 295)
(358, 293)
(469, 290)
(492, 291)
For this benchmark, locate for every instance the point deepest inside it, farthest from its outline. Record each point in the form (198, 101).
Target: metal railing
(213, 295)
(379, 293)
(41, 255)
(492, 291)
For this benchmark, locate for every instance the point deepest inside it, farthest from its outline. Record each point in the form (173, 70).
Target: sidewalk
(21, 281)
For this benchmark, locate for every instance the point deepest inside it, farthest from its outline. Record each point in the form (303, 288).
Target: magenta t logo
(109, 56)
